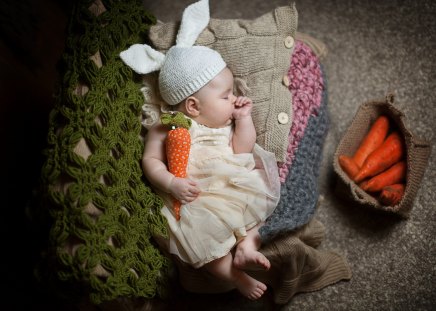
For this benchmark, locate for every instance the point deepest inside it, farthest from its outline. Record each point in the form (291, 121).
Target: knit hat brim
(187, 70)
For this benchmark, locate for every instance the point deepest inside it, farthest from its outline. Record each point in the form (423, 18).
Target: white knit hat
(185, 68)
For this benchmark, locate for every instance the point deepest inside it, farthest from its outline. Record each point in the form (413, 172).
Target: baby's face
(217, 102)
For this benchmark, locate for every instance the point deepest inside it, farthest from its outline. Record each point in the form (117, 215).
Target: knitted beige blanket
(296, 266)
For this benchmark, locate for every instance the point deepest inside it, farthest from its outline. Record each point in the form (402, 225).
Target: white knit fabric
(185, 68)
(142, 58)
(195, 18)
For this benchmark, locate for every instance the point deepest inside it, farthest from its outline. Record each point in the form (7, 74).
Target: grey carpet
(375, 47)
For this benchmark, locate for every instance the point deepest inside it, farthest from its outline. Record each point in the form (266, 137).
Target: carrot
(178, 145)
(363, 184)
(390, 152)
(348, 165)
(392, 195)
(372, 140)
(393, 175)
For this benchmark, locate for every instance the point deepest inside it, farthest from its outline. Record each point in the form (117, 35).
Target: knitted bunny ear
(195, 18)
(142, 58)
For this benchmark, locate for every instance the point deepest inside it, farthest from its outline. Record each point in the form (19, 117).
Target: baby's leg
(223, 269)
(247, 255)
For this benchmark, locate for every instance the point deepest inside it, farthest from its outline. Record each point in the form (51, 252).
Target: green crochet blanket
(103, 213)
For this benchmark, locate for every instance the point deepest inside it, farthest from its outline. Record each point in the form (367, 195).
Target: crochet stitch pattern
(299, 174)
(299, 193)
(103, 212)
(306, 88)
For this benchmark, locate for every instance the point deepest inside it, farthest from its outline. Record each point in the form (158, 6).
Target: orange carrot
(348, 165)
(178, 144)
(392, 195)
(372, 140)
(390, 152)
(393, 175)
(363, 184)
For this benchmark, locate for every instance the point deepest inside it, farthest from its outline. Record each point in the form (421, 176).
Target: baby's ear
(192, 106)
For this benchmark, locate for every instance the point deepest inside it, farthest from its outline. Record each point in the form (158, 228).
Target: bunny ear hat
(185, 68)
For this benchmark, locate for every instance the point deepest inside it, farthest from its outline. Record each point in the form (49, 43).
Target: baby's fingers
(188, 200)
(242, 100)
(189, 197)
(193, 187)
(194, 191)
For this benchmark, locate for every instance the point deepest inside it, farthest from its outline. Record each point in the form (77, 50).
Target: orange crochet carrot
(393, 175)
(392, 195)
(348, 165)
(390, 152)
(178, 145)
(372, 140)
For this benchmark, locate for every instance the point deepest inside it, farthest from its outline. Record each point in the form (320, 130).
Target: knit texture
(306, 87)
(296, 266)
(417, 155)
(186, 70)
(299, 193)
(103, 213)
(256, 53)
(195, 18)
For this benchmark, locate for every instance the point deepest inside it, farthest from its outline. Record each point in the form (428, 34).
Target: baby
(232, 184)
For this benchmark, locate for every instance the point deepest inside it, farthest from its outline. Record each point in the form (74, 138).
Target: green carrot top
(176, 119)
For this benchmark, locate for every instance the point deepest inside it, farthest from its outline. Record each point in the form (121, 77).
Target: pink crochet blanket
(306, 86)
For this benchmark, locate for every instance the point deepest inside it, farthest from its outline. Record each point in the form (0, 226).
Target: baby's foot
(250, 259)
(249, 287)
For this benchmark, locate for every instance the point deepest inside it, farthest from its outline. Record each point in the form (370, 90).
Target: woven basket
(417, 154)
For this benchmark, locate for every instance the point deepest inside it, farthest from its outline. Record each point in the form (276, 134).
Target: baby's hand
(243, 107)
(184, 189)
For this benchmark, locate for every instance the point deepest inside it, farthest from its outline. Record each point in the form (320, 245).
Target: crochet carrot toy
(178, 145)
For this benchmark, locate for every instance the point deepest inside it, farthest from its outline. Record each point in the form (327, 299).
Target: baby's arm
(156, 171)
(244, 136)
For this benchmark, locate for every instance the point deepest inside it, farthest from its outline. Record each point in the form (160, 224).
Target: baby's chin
(216, 125)
(227, 123)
